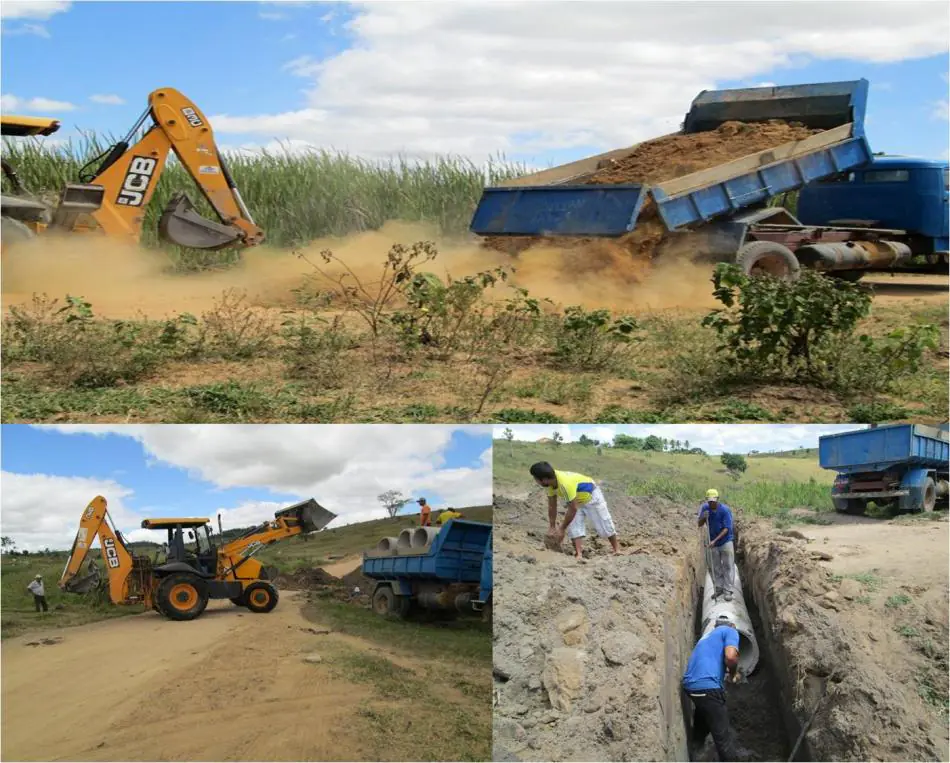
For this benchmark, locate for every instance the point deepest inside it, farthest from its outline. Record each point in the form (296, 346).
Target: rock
(823, 556)
(506, 728)
(622, 647)
(794, 534)
(519, 710)
(313, 658)
(529, 723)
(593, 704)
(549, 717)
(616, 729)
(850, 589)
(534, 683)
(573, 625)
(563, 677)
(832, 596)
(525, 652)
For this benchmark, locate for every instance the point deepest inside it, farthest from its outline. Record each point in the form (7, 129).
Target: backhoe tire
(13, 232)
(260, 597)
(760, 258)
(182, 596)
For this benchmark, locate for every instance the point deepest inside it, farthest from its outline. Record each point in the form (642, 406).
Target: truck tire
(260, 597)
(387, 604)
(13, 232)
(760, 258)
(853, 506)
(182, 596)
(930, 495)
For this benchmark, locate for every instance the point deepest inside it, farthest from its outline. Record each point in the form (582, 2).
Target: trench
(760, 709)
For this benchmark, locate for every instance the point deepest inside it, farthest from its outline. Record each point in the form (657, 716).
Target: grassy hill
(16, 603)
(770, 485)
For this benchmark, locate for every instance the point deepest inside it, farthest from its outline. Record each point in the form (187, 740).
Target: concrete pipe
(387, 546)
(404, 541)
(748, 646)
(422, 537)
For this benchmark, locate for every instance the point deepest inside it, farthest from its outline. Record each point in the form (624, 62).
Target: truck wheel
(387, 604)
(13, 232)
(930, 495)
(182, 596)
(853, 506)
(766, 258)
(260, 597)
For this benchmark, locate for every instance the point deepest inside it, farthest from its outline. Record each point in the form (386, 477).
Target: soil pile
(308, 579)
(653, 162)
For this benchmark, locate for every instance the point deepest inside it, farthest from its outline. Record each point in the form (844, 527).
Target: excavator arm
(127, 176)
(95, 522)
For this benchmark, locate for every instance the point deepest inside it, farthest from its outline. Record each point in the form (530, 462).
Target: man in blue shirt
(722, 558)
(713, 655)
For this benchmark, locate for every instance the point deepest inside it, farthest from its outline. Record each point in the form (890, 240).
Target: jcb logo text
(112, 556)
(137, 179)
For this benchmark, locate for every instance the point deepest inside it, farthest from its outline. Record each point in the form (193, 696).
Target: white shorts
(599, 515)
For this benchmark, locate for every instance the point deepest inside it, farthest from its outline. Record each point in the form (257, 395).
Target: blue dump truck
(856, 212)
(447, 570)
(904, 466)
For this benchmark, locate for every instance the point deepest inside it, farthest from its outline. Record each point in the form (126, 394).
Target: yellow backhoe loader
(193, 569)
(116, 187)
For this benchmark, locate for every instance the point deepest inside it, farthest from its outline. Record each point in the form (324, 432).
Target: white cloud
(713, 438)
(343, 467)
(941, 110)
(32, 9)
(42, 511)
(107, 100)
(528, 77)
(9, 102)
(38, 30)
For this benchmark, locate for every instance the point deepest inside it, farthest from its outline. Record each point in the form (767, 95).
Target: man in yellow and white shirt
(584, 501)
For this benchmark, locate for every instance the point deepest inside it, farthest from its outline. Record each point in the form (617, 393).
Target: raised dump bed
(558, 201)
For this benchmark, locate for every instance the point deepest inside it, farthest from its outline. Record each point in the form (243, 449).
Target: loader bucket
(310, 514)
(821, 106)
(182, 225)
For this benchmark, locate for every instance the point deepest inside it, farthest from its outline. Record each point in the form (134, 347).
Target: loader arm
(129, 174)
(95, 522)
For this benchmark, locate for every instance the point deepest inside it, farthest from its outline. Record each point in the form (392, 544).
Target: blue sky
(246, 473)
(380, 78)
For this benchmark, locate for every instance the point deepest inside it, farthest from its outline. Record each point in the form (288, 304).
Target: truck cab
(901, 193)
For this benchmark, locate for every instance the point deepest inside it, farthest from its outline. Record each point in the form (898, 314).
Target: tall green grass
(295, 197)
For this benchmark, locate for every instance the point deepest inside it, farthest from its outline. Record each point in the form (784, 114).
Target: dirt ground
(588, 656)
(230, 685)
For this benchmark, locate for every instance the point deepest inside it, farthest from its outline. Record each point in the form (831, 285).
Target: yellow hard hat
(712, 493)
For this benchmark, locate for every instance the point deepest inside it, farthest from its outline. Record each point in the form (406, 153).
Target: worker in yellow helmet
(722, 558)
(448, 514)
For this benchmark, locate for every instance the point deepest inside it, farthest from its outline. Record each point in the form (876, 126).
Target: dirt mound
(308, 579)
(582, 649)
(652, 162)
(865, 708)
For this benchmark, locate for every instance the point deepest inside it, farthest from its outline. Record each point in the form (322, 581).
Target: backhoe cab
(116, 187)
(192, 567)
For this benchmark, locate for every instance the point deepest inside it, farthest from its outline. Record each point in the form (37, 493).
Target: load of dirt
(652, 162)
(583, 650)
(308, 579)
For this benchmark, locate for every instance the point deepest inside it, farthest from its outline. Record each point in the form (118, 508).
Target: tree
(686, 444)
(735, 464)
(557, 438)
(392, 501)
(626, 442)
(509, 436)
(586, 441)
(653, 443)
(7, 543)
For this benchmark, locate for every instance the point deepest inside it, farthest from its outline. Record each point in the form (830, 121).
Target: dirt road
(230, 685)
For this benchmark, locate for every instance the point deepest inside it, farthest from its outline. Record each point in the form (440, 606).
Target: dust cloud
(123, 281)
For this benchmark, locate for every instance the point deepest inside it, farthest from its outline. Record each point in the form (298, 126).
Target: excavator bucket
(310, 514)
(88, 582)
(182, 225)
(821, 106)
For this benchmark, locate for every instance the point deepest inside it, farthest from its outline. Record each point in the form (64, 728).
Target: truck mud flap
(567, 210)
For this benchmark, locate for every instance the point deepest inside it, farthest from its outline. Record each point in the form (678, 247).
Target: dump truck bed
(455, 555)
(557, 202)
(880, 448)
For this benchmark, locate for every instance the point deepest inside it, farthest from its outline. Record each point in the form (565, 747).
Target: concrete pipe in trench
(404, 541)
(748, 646)
(387, 546)
(422, 537)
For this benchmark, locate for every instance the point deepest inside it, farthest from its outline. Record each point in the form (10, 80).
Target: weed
(877, 411)
(869, 580)
(907, 631)
(593, 339)
(521, 416)
(314, 350)
(897, 600)
(233, 329)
